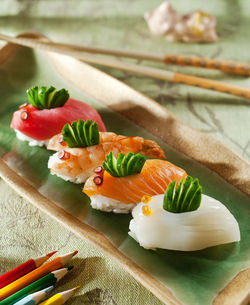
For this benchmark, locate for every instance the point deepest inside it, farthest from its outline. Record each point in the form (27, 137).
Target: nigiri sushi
(209, 224)
(75, 161)
(119, 193)
(47, 112)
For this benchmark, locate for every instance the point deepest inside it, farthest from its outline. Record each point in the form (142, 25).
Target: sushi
(119, 193)
(75, 161)
(182, 221)
(47, 112)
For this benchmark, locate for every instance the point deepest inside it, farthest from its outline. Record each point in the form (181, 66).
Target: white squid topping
(210, 225)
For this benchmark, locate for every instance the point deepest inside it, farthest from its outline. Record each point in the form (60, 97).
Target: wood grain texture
(140, 110)
(237, 291)
(223, 65)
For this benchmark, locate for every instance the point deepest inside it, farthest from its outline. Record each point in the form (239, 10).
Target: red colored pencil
(23, 269)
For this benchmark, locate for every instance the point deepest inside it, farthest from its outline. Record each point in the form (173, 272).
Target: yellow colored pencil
(61, 297)
(36, 274)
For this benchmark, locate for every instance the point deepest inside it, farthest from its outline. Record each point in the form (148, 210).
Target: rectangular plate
(201, 277)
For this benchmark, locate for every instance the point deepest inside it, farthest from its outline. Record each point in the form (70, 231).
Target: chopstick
(76, 51)
(199, 62)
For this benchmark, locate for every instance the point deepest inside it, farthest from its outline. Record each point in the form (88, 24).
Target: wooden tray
(218, 275)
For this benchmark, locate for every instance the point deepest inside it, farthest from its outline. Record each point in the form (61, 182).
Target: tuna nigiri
(120, 192)
(76, 159)
(172, 222)
(46, 114)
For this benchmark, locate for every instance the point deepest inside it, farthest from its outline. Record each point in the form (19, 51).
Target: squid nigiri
(177, 226)
(75, 161)
(124, 181)
(46, 114)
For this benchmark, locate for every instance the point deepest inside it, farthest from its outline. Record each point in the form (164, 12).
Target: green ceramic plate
(194, 277)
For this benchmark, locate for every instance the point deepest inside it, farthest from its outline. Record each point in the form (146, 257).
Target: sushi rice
(32, 142)
(107, 204)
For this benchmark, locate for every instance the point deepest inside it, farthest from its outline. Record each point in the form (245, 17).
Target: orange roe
(146, 210)
(145, 199)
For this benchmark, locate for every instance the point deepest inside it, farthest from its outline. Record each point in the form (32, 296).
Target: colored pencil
(48, 280)
(61, 297)
(34, 275)
(23, 269)
(35, 298)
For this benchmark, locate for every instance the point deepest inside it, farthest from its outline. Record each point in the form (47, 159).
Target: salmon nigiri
(110, 191)
(76, 161)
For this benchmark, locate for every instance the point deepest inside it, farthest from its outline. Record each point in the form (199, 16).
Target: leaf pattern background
(28, 233)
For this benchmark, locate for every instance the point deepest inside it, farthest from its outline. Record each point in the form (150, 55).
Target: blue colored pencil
(34, 298)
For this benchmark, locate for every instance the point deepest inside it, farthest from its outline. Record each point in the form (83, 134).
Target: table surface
(27, 232)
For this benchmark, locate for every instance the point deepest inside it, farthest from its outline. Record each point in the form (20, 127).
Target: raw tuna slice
(42, 124)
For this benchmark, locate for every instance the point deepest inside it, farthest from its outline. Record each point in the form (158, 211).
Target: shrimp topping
(84, 160)
(110, 141)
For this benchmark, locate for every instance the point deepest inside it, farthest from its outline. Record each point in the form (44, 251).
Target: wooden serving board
(223, 273)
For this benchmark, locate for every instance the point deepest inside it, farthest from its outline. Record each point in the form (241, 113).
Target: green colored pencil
(44, 282)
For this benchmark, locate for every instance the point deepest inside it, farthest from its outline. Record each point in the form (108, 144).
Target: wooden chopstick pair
(77, 52)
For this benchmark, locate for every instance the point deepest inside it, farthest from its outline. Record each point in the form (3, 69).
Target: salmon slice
(153, 180)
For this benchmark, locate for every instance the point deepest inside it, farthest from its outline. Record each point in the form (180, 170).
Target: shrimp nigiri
(77, 164)
(120, 194)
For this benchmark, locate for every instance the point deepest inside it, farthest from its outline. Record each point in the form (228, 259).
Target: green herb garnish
(44, 98)
(124, 165)
(81, 134)
(183, 197)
